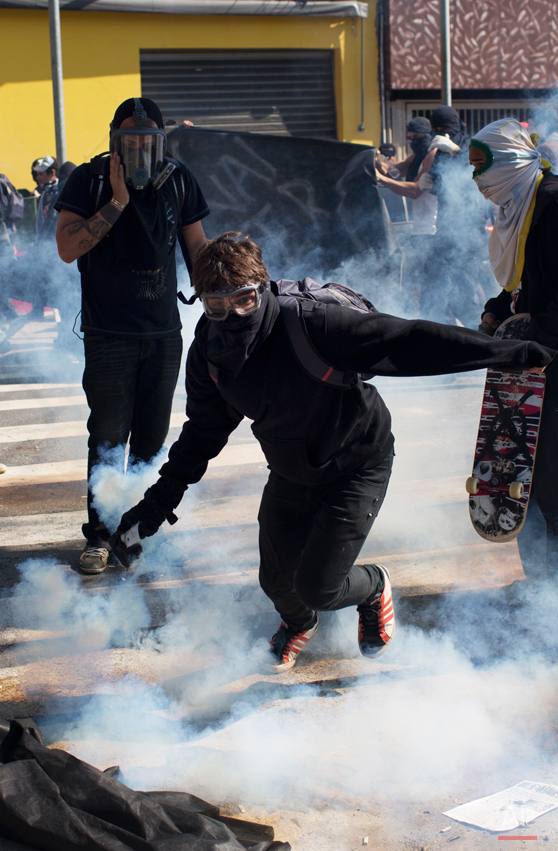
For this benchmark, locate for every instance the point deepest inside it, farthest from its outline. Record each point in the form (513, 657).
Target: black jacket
(539, 284)
(311, 432)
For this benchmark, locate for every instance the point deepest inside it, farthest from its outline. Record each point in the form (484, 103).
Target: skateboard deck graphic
(500, 485)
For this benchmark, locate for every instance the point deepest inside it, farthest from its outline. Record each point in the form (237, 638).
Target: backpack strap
(98, 170)
(307, 355)
(212, 369)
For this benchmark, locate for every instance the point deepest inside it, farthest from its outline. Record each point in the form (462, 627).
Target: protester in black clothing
(524, 258)
(418, 246)
(418, 138)
(121, 216)
(329, 450)
(455, 272)
(388, 151)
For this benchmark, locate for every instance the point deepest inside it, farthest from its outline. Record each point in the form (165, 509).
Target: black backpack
(11, 202)
(291, 295)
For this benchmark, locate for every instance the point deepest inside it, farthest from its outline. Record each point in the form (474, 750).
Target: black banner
(309, 203)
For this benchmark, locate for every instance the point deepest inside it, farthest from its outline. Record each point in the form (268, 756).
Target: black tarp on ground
(50, 800)
(310, 203)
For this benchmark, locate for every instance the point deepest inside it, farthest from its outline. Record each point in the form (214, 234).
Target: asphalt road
(160, 669)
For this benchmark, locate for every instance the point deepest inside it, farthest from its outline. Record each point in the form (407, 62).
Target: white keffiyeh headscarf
(509, 178)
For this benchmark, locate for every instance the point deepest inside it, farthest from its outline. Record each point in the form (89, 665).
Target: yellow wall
(100, 55)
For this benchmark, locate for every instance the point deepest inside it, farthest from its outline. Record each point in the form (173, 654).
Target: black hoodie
(311, 432)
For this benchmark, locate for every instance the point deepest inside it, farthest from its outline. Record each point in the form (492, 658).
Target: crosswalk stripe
(237, 454)
(48, 402)
(46, 431)
(17, 388)
(51, 471)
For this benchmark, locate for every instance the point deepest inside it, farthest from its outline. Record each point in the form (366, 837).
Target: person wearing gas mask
(328, 443)
(120, 216)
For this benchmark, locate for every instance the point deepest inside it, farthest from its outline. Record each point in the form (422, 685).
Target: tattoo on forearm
(96, 228)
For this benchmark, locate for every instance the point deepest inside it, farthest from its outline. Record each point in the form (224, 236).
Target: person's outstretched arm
(387, 345)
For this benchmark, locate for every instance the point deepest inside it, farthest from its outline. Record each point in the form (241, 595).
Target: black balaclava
(447, 119)
(232, 341)
(419, 145)
(126, 110)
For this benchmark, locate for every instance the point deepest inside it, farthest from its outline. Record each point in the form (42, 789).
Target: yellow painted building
(101, 64)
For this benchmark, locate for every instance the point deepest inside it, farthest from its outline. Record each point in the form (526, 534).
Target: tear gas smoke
(464, 698)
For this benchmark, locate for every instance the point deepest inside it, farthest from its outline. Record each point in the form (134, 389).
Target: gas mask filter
(141, 150)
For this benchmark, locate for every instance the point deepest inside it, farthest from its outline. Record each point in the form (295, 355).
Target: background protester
(121, 215)
(46, 170)
(424, 211)
(418, 139)
(388, 152)
(11, 212)
(523, 251)
(452, 292)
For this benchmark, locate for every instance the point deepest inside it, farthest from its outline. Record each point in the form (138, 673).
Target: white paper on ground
(510, 808)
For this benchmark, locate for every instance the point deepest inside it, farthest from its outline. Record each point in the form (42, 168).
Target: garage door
(284, 92)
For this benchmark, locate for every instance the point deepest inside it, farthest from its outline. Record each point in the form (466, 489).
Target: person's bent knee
(316, 598)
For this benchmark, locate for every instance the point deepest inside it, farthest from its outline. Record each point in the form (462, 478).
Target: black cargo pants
(310, 536)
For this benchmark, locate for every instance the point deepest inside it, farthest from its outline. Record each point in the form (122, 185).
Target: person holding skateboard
(523, 249)
(329, 448)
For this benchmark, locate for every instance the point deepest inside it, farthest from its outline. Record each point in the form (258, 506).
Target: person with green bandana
(523, 252)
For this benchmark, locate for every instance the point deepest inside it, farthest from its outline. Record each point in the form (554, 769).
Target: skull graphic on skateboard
(500, 485)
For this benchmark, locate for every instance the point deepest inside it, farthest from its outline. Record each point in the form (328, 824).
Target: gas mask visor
(244, 301)
(142, 151)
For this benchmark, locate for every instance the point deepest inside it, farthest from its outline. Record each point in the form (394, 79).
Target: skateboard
(500, 485)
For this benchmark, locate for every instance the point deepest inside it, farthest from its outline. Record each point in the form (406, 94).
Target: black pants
(310, 536)
(538, 540)
(129, 386)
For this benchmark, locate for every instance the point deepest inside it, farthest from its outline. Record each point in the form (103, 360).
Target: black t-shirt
(129, 279)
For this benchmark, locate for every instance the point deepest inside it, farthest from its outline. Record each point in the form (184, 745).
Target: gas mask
(142, 151)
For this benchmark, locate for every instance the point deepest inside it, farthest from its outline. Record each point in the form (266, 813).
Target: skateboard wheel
(3, 468)
(472, 485)
(516, 490)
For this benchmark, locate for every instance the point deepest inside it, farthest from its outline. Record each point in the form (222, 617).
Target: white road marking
(42, 431)
(47, 431)
(17, 388)
(75, 471)
(52, 471)
(48, 402)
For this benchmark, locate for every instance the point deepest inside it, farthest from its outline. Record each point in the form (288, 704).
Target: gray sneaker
(94, 558)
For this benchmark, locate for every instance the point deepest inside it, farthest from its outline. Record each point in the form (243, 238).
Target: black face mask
(419, 145)
(234, 339)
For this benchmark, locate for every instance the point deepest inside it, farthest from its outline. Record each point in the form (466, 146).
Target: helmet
(141, 149)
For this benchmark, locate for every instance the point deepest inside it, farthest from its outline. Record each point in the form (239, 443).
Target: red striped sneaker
(287, 643)
(376, 620)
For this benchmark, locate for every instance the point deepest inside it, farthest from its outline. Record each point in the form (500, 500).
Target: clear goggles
(141, 151)
(243, 301)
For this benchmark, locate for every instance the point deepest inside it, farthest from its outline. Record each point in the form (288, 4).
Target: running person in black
(121, 216)
(329, 450)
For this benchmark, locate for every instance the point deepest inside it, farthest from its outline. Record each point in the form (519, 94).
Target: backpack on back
(291, 295)
(11, 202)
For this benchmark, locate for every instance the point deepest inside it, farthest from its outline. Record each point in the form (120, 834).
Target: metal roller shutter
(283, 92)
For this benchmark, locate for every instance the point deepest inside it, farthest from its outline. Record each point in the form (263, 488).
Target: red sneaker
(376, 620)
(287, 643)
